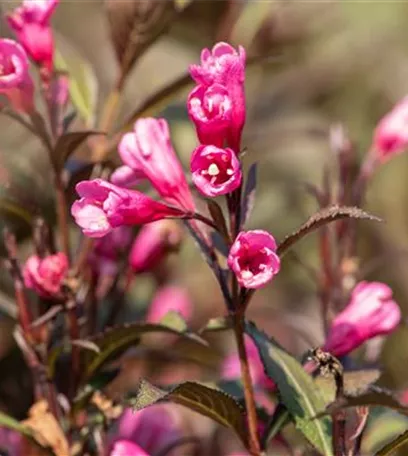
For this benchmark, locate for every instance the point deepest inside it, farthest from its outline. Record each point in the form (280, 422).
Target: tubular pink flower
(31, 23)
(170, 298)
(15, 81)
(153, 243)
(371, 312)
(215, 171)
(210, 108)
(45, 275)
(104, 206)
(125, 176)
(127, 448)
(253, 258)
(149, 150)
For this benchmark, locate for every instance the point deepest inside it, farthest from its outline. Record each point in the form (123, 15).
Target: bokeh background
(324, 62)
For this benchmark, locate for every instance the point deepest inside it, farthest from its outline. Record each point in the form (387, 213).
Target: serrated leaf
(68, 143)
(321, 218)
(217, 324)
(209, 402)
(393, 446)
(296, 390)
(248, 199)
(82, 80)
(278, 420)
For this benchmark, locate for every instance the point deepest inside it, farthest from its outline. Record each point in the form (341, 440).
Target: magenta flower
(231, 369)
(11, 442)
(215, 171)
(371, 312)
(31, 23)
(104, 206)
(126, 448)
(253, 258)
(125, 176)
(222, 65)
(149, 150)
(152, 244)
(210, 108)
(45, 275)
(170, 298)
(15, 81)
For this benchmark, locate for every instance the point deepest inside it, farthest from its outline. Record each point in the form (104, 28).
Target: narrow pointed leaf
(218, 217)
(248, 200)
(296, 389)
(209, 402)
(393, 446)
(279, 419)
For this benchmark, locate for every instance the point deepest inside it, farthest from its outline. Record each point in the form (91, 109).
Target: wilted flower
(170, 298)
(126, 448)
(371, 312)
(210, 108)
(15, 80)
(253, 258)
(215, 171)
(104, 206)
(148, 149)
(153, 243)
(391, 134)
(45, 275)
(31, 23)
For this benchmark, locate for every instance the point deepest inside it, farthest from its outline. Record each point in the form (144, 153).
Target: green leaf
(393, 446)
(209, 402)
(321, 218)
(82, 79)
(296, 389)
(279, 419)
(217, 324)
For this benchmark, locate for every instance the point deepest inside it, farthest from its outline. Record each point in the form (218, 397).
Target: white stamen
(230, 172)
(246, 274)
(213, 170)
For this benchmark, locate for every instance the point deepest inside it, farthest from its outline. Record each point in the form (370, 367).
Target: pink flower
(31, 23)
(45, 275)
(371, 312)
(253, 259)
(222, 65)
(215, 171)
(231, 368)
(149, 150)
(104, 206)
(125, 176)
(153, 243)
(153, 428)
(15, 81)
(170, 298)
(11, 442)
(127, 448)
(210, 108)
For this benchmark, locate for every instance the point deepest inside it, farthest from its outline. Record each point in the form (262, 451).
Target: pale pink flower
(391, 134)
(148, 149)
(253, 258)
(45, 275)
(231, 367)
(170, 298)
(215, 171)
(126, 448)
(210, 108)
(31, 23)
(15, 81)
(153, 243)
(371, 312)
(104, 206)
(125, 176)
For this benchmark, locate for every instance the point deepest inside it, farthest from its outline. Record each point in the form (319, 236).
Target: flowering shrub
(80, 334)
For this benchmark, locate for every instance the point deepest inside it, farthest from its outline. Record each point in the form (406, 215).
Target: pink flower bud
(31, 23)
(170, 298)
(104, 206)
(391, 134)
(215, 171)
(149, 150)
(124, 176)
(231, 367)
(222, 65)
(127, 448)
(253, 259)
(153, 428)
(371, 312)
(45, 275)
(153, 243)
(15, 81)
(210, 108)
